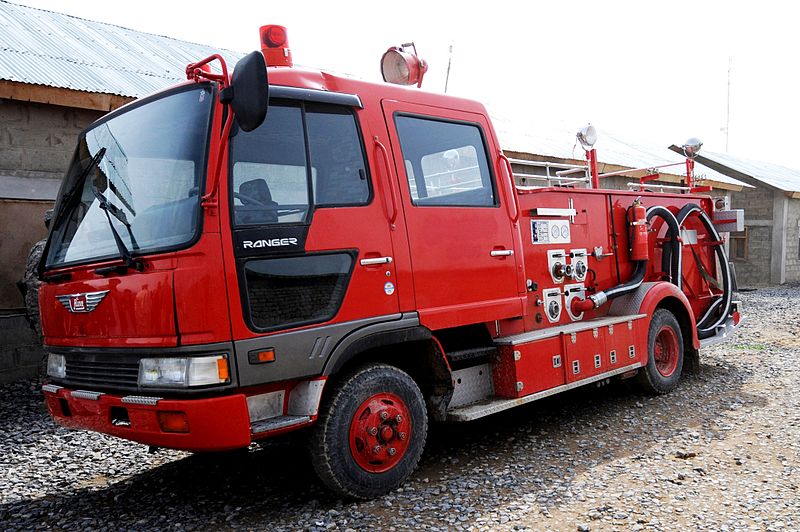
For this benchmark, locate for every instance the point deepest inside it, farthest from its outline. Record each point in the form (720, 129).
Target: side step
(279, 422)
(471, 354)
(493, 405)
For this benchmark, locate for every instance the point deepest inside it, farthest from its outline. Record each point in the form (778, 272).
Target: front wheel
(664, 354)
(370, 433)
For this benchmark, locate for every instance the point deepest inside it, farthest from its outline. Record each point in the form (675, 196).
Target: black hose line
(718, 311)
(668, 264)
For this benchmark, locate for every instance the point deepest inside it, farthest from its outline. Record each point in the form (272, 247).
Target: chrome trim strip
(87, 394)
(51, 388)
(475, 411)
(569, 328)
(141, 400)
(547, 211)
(378, 260)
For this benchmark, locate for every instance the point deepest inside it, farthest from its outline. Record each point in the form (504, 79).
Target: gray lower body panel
(495, 404)
(304, 353)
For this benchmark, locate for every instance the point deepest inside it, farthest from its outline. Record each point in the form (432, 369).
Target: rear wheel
(370, 433)
(664, 354)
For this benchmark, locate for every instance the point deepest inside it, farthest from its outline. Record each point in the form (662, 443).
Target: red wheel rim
(380, 432)
(666, 351)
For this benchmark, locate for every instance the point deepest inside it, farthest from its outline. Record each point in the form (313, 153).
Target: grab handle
(391, 207)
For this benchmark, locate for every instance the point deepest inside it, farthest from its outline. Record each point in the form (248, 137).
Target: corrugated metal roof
(558, 141)
(46, 48)
(774, 175)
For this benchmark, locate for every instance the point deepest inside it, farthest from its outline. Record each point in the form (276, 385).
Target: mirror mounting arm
(201, 70)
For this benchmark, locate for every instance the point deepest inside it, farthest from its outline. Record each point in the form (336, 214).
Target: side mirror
(250, 91)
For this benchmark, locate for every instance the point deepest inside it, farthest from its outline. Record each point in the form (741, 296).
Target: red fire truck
(281, 249)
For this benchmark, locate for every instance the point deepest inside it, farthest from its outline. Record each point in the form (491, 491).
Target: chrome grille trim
(141, 400)
(87, 394)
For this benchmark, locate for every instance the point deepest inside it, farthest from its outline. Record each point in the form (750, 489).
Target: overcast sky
(647, 71)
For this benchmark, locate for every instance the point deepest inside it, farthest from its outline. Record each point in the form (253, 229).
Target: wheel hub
(379, 432)
(666, 351)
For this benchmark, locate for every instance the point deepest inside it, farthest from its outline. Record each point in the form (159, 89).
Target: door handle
(501, 252)
(376, 260)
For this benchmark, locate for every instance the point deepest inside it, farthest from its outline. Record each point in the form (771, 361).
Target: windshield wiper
(124, 253)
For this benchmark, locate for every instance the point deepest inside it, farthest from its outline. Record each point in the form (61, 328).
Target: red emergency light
(275, 45)
(401, 67)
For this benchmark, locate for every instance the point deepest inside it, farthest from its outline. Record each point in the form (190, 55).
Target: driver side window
(269, 170)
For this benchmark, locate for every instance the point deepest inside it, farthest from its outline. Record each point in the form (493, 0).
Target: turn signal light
(173, 422)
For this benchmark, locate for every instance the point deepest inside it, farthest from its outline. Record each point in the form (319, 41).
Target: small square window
(738, 245)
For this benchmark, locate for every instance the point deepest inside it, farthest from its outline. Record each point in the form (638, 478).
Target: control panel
(550, 232)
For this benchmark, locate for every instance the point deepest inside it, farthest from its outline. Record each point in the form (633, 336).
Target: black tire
(664, 355)
(337, 461)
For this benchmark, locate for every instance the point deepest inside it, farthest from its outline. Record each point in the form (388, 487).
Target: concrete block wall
(20, 349)
(755, 270)
(37, 139)
(758, 211)
(793, 242)
(756, 202)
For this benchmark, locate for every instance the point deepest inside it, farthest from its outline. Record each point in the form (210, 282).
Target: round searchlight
(692, 147)
(401, 67)
(587, 136)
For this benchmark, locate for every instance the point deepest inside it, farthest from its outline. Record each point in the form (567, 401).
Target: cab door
(460, 234)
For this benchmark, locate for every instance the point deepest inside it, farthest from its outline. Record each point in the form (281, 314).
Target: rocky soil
(722, 452)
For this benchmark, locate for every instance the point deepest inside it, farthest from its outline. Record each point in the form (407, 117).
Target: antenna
(449, 60)
(728, 110)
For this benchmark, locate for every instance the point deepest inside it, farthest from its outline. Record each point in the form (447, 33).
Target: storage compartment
(523, 369)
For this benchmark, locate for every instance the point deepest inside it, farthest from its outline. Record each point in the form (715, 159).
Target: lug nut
(399, 418)
(376, 449)
(373, 431)
(392, 451)
(402, 435)
(384, 415)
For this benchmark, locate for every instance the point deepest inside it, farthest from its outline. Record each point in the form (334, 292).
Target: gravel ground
(722, 452)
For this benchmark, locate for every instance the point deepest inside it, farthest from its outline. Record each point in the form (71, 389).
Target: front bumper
(214, 424)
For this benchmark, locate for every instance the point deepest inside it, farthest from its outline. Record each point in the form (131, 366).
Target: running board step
(493, 405)
(471, 354)
(279, 422)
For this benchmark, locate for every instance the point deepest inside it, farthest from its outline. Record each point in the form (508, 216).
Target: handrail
(391, 210)
(511, 198)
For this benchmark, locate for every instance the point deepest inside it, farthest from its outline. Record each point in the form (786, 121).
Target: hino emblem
(85, 302)
(271, 243)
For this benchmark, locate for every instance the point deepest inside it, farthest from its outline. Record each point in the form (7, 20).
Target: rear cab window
(445, 162)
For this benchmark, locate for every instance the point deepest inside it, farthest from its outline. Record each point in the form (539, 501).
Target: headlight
(184, 372)
(56, 366)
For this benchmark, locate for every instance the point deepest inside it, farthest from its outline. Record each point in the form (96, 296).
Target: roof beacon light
(692, 147)
(402, 67)
(587, 136)
(275, 46)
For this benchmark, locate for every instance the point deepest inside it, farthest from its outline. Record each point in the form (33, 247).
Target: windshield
(145, 167)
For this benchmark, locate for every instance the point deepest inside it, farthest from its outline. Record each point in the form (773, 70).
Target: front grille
(103, 373)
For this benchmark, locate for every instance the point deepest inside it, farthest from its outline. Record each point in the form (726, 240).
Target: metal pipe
(623, 172)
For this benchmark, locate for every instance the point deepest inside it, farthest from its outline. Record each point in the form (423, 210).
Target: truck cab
(351, 265)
